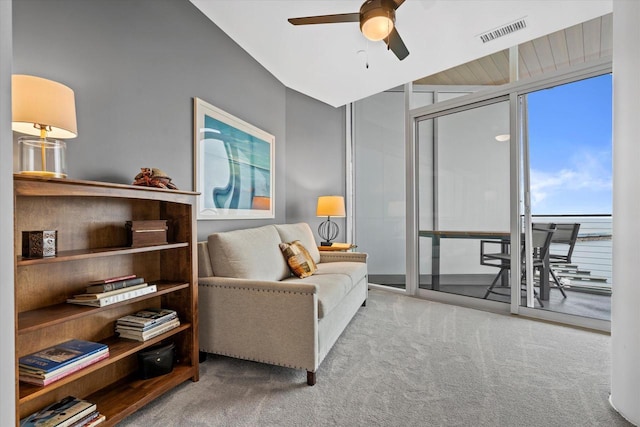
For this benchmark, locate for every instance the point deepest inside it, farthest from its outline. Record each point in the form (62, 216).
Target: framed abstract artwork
(233, 166)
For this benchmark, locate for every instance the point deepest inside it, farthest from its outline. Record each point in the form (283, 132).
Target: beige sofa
(251, 307)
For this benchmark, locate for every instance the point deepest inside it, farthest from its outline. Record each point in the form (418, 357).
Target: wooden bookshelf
(90, 219)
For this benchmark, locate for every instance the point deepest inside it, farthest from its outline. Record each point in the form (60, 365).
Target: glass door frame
(512, 92)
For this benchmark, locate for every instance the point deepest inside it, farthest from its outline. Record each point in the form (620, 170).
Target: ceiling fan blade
(398, 3)
(326, 19)
(394, 42)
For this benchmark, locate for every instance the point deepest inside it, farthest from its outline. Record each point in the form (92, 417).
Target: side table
(343, 247)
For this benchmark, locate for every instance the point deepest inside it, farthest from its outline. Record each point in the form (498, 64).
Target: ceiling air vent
(503, 31)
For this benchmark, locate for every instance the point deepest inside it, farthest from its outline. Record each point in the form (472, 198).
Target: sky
(570, 148)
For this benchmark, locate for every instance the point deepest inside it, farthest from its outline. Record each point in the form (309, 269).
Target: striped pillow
(300, 262)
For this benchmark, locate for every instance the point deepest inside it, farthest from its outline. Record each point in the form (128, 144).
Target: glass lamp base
(43, 157)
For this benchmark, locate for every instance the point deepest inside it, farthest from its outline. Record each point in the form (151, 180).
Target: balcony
(587, 280)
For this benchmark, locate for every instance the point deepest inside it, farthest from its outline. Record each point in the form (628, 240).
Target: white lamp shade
(330, 206)
(43, 102)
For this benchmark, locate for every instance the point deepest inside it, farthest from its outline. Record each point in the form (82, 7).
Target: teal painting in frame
(233, 166)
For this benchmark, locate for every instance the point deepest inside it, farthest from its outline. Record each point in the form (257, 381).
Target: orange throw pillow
(298, 258)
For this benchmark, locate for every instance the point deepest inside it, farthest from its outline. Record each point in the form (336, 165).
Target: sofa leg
(364, 304)
(311, 378)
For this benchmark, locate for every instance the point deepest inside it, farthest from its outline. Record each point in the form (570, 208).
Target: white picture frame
(233, 166)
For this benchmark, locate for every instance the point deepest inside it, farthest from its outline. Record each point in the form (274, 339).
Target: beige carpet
(408, 362)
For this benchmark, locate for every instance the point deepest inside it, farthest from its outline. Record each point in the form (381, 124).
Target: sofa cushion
(331, 290)
(300, 231)
(356, 271)
(248, 254)
(298, 258)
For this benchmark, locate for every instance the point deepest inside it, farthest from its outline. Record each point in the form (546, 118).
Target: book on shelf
(62, 413)
(90, 419)
(39, 373)
(93, 419)
(122, 328)
(60, 355)
(101, 302)
(98, 420)
(151, 333)
(43, 379)
(112, 279)
(125, 282)
(147, 318)
(98, 295)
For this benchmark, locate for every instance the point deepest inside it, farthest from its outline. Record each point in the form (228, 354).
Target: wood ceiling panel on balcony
(574, 45)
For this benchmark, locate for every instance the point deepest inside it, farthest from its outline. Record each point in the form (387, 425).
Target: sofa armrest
(204, 262)
(265, 321)
(257, 285)
(335, 256)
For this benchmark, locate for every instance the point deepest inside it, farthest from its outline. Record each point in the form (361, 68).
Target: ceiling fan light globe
(377, 28)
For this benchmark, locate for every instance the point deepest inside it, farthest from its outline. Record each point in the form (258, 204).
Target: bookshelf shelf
(64, 256)
(118, 349)
(90, 219)
(29, 321)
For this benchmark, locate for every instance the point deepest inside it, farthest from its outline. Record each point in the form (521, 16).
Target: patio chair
(540, 240)
(565, 235)
(563, 241)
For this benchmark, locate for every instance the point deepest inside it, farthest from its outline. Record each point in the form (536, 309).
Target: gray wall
(7, 367)
(135, 67)
(315, 158)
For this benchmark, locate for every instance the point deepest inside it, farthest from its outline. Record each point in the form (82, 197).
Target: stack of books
(69, 411)
(54, 363)
(100, 293)
(147, 324)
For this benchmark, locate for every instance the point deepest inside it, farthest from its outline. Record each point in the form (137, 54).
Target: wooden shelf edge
(33, 320)
(118, 350)
(30, 185)
(64, 256)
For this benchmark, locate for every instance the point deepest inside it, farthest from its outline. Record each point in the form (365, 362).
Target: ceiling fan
(377, 22)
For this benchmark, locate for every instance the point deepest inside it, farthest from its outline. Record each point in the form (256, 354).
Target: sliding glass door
(567, 168)
(513, 199)
(463, 189)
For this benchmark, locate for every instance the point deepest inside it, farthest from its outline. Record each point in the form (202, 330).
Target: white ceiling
(323, 61)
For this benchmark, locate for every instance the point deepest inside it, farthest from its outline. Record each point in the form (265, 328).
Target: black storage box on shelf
(146, 233)
(155, 361)
(39, 244)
